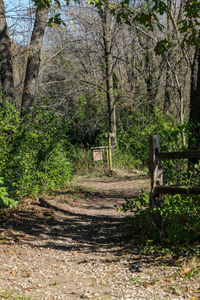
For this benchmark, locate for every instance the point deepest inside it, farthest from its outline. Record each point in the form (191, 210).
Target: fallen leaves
(2, 235)
(189, 272)
(13, 272)
(148, 284)
(169, 279)
(27, 274)
(186, 271)
(31, 288)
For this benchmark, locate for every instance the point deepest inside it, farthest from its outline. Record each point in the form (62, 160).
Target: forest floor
(70, 245)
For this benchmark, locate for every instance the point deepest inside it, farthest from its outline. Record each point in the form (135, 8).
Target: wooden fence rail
(179, 155)
(156, 171)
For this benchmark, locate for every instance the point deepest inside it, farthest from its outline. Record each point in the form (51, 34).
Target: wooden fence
(156, 171)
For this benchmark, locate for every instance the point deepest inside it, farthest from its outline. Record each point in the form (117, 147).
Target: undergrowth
(172, 228)
(32, 153)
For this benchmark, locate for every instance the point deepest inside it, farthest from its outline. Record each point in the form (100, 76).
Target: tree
(184, 23)
(33, 63)
(95, 49)
(6, 68)
(194, 117)
(180, 19)
(33, 60)
(108, 28)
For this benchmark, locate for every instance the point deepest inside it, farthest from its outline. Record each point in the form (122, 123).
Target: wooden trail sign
(98, 154)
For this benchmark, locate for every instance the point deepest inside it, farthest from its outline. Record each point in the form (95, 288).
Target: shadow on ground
(54, 225)
(58, 228)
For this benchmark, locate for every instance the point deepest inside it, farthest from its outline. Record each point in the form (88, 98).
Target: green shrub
(83, 164)
(56, 169)
(133, 141)
(39, 160)
(180, 217)
(127, 160)
(175, 225)
(9, 126)
(33, 155)
(4, 196)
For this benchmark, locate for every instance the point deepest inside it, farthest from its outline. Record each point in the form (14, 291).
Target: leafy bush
(33, 154)
(180, 218)
(175, 225)
(4, 196)
(83, 164)
(125, 160)
(9, 124)
(133, 140)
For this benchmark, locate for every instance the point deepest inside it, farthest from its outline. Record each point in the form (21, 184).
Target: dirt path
(69, 246)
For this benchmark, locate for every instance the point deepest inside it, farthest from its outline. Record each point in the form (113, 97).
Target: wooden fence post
(155, 169)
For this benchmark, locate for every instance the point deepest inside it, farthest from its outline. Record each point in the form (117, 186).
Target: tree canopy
(147, 13)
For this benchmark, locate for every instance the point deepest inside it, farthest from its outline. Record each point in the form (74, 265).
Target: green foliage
(132, 139)
(39, 161)
(135, 205)
(9, 125)
(83, 164)
(81, 160)
(162, 47)
(4, 196)
(176, 223)
(176, 172)
(88, 119)
(125, 160)
(133, 142)
(189, 26)
(180, 218)
(45, 3)
(33, 155)
(175, 226)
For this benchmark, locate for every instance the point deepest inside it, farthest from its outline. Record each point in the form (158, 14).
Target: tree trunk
(107, 39)
(167, 100)
(149, 80)
(33, 63)
(194, 119)
(6, 69)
